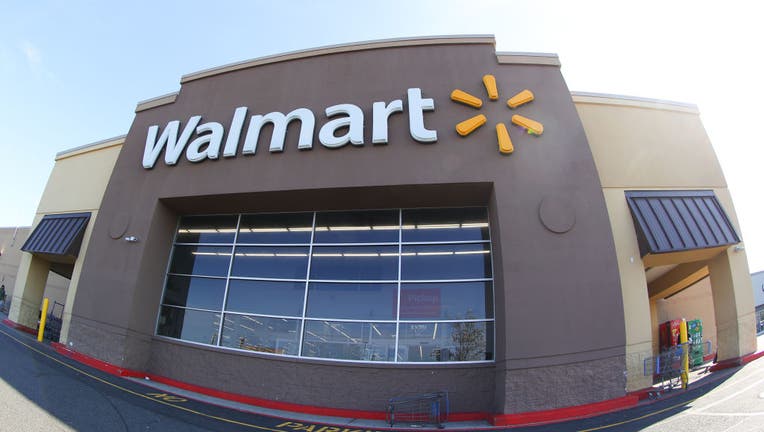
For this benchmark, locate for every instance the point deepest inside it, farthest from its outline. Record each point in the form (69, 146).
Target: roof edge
(98, 145)
(340, 48)
(156, 101)
(633, 101)
(547, 59)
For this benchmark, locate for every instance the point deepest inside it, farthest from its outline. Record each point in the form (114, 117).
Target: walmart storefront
(339, 226)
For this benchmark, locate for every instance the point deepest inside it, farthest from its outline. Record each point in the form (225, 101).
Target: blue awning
(674, 221)
(59, 234)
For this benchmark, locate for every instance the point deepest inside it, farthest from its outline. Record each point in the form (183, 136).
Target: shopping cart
(667, 369)
(427, 408)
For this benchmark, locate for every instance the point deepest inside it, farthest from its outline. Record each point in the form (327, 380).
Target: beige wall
(11, 240)
(79, 178)
(696, 302)
(646, 144)
(76, 184)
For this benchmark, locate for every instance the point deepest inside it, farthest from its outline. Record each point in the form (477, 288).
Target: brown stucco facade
(549, 286)
(572, 300)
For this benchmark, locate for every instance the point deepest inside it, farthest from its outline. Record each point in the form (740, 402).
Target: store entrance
(689, 299)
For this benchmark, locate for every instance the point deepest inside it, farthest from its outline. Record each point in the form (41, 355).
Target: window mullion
(398, 301)
(228, 282)
(307, 284)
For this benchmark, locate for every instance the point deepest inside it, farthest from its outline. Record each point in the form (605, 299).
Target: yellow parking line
(281, 430)
(139, 394)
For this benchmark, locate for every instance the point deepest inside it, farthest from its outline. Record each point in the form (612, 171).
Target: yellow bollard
(43, 316)
(685, 353)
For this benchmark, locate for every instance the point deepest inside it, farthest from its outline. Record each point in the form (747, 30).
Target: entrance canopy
(679, 226)
(58, 237)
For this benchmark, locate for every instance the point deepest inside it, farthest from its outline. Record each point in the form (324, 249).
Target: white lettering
(280, 122)
(417, 106)
(381, 113)
(212, 140)
(353, 121)
(168, 140)
(234, 132)
(344, 119)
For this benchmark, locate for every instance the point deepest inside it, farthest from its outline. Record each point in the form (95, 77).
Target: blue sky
(72, 72)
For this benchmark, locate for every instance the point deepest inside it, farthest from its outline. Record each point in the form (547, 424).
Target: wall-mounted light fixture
(739, 248)
(131, 239)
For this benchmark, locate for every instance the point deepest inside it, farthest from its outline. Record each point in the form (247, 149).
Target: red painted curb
(528, 418)
(21, 327)
(737, 361)
(266, 403)
(564, 414)
(751, 357)
(249, 400)
(95, 363)
(642, 394)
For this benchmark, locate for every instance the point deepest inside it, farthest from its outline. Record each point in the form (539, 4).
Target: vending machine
(669, 334)
(695, 336)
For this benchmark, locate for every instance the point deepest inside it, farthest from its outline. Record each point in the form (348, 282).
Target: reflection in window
(190, 325)
(357, 227)
(446, 300)
(201, 260)
(446, 261)
(441, 225)
(289, 228)
(253, 333)
(443, 342)
(206, 229)
(194, 292)
(367, 286)
(265, 297)
(366, 301)
(349, 341)
(271, 262)
(354, 263)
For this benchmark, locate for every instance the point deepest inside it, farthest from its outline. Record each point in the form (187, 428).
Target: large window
(400, 286)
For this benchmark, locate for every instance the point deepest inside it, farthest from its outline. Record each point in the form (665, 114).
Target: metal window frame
(307, 280)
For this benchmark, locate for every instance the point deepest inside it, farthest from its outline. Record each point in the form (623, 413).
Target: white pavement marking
(744, 389)
(746, 414)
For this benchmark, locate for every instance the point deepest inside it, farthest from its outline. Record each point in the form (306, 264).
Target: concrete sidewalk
(303, 421)
(697, 378)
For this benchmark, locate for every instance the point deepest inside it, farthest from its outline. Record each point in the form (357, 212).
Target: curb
(532, 418)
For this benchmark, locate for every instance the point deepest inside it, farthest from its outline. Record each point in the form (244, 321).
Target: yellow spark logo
(471, 124)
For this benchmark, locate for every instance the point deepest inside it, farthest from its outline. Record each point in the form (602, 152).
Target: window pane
(266, 297)
(201, 260)
(449, 300)
(190, 325)
(276, 228)
(270, 269)
(271, 262)
(355, 263)
(349, 341)
(437, 342)
(357, 227)
(448, 261)
(352, 301)
(193, 292)
(271, 335)
(206, 229)
(460, 224)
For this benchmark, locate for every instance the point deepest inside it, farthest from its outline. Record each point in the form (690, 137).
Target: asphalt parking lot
(41, 390)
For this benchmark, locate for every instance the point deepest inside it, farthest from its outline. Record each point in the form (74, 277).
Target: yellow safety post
(43, 316)
(685, 353)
